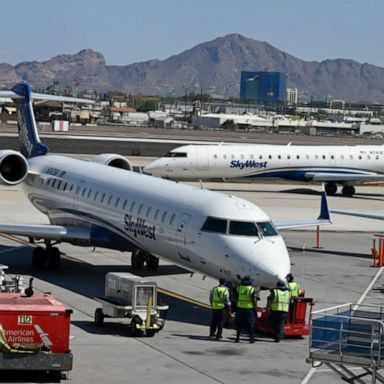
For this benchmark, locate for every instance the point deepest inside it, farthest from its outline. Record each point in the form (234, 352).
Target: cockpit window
(243, 228)
(215, 225)
(267, 228)
(176, 154)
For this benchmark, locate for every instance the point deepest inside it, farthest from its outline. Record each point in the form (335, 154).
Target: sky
(126, 31)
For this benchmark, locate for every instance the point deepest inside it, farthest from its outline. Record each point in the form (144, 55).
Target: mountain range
(214, 66)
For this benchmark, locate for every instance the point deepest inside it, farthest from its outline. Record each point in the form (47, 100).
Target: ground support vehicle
(134, 298)
(34, 333)
(349, 340)
(298, 321)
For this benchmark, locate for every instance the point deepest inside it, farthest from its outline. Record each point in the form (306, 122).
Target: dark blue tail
(30, 144)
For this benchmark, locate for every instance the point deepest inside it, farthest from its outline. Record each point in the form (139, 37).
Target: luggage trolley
(135, 298)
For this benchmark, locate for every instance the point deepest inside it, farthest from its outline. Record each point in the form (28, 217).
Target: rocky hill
(215, 66)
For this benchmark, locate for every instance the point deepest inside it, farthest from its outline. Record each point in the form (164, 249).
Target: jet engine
(13, 167)
(113, 160)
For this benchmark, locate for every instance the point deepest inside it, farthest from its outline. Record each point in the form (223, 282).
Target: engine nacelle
(113, 160)
(13, 167)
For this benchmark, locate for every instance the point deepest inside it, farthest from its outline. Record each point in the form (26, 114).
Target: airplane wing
(324, 217)
(50, 232)
(367, 215)
(314, 176)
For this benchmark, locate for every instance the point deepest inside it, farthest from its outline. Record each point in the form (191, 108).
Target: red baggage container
(35, 320)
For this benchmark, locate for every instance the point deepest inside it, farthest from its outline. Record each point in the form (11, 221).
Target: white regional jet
(345, 165)
(103, 204)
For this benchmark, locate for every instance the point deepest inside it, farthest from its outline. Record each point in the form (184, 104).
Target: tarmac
(337, 272)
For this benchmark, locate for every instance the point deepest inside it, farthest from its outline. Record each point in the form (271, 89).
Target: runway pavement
(337, 273)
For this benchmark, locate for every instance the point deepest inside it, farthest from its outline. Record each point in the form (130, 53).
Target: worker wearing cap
(221, 306)
(293, 286)
(280, 300)
(246, 305)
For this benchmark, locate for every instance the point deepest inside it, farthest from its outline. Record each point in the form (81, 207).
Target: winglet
(324, 210)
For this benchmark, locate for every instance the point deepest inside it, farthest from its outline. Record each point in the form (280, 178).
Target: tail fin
(30, 144)
(324, 210)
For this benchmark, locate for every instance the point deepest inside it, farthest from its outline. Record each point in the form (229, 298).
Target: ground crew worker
(221, 308)
(280, 299)
(246, 306)
(293, 286)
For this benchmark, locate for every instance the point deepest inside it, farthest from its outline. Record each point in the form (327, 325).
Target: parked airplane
(101, 203)
(344, 165)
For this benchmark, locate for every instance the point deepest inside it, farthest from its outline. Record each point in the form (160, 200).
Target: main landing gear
(139, 258)
(331, 189)
(48, 255)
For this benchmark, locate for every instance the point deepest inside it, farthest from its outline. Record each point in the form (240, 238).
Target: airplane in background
(344, 165)
(101, 203)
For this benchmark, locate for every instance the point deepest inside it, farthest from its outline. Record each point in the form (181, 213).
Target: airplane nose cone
(149, 169)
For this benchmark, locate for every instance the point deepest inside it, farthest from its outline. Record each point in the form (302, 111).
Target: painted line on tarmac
(184, 298)
(312, 371)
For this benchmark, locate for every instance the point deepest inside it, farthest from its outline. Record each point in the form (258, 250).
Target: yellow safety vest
(280, 300)
(294, 289)
(245, 293)
(218, 297)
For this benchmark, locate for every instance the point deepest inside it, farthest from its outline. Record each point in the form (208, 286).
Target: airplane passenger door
(202, 159)
(182, 244)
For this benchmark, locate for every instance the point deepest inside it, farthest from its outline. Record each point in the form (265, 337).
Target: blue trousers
(277, 320)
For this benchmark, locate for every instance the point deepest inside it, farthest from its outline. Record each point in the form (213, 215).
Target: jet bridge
(347, 336)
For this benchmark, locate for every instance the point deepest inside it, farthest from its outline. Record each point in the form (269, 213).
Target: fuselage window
(351, 157)
(288, 157)
(297, 157)
(83, 193)
(172, 219)
(157, 214)
(117, 201)
(59, 184)
(164, 216)
(71, 187)
(176, 154)
(125, 204)
(102, 198)
(270, 157)
(342, 157)
(89, 193)
(241, 156)
(261, 157)
(251, 157)
(307, 157)
(215, 156)
(279, 157)
(369, 157)
(148, 212)
(224, 156)
(110, 199)
(324, 157)
(332, 157)
(316, 157)
(54, 182)
(242, 228)
(377, 157)
(95, 196)
(267, 229)
(49, 182)
(140, 209)
(212, 224)
(360, 157)
(65, 186)
(132, 206)
(232, 156)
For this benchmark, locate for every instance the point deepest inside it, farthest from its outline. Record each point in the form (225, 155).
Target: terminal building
(263, 87)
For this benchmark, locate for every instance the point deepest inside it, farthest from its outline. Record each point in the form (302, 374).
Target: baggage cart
(134, 298)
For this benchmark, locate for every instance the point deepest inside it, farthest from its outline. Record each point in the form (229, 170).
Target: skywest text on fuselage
(248, 164)
(139, 228)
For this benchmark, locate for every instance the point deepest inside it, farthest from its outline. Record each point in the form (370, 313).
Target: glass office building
(263, 87)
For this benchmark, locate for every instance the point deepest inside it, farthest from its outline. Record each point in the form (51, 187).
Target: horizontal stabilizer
(367, 215)
(323, 218)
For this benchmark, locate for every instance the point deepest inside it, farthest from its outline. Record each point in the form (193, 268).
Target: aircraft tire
(137, 261)
(348, 190)
(152, 263)
(331, 189)
(53, 258)
(38, 257)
